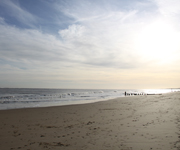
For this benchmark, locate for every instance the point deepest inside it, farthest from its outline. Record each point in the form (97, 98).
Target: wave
(23, 98)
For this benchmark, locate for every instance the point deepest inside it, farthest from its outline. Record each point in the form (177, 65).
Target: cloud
(97, 44)
(15, 10)
(168, 7)
(1, 20)
(28, 46)
(103, 38)
(73, 31)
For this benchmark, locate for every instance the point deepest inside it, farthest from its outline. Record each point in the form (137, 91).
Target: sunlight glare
(158, 42)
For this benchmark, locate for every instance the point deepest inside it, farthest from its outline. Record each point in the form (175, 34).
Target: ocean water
(13, 98)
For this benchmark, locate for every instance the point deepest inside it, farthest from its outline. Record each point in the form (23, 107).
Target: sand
(150, 122)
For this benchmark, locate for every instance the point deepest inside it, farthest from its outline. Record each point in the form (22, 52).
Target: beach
(143, 122)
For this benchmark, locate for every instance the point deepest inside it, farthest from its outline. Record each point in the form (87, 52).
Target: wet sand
(146, 122)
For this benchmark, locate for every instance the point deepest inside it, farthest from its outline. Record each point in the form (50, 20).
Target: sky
(117, 44)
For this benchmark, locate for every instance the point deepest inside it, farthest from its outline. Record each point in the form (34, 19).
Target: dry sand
(131, 123)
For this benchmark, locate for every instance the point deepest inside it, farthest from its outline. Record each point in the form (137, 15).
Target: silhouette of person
(125, 93)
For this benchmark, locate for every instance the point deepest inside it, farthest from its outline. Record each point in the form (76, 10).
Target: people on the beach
(125, 93)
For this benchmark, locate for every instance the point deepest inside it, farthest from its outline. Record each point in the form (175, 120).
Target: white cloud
(169, 7)
(73, 31)
(98, 45)
(101, 38)
(1, 20)
(19, 13)
(19, 45)
(104, 40)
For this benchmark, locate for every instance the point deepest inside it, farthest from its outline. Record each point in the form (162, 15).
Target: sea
(16, 98)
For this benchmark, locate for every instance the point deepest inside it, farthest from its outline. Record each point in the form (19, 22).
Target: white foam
(41, 98)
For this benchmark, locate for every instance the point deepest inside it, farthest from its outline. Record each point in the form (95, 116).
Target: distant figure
(125, 93)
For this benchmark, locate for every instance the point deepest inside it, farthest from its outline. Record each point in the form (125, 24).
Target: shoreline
(125, 123)
(61, 105)
(92, 101)
(10, 99)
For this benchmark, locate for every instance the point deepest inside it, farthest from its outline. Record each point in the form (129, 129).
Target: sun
(157, 41)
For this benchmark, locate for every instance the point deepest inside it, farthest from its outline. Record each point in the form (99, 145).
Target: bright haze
(105, 44)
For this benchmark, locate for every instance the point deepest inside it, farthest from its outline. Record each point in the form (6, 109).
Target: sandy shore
(131, 123)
